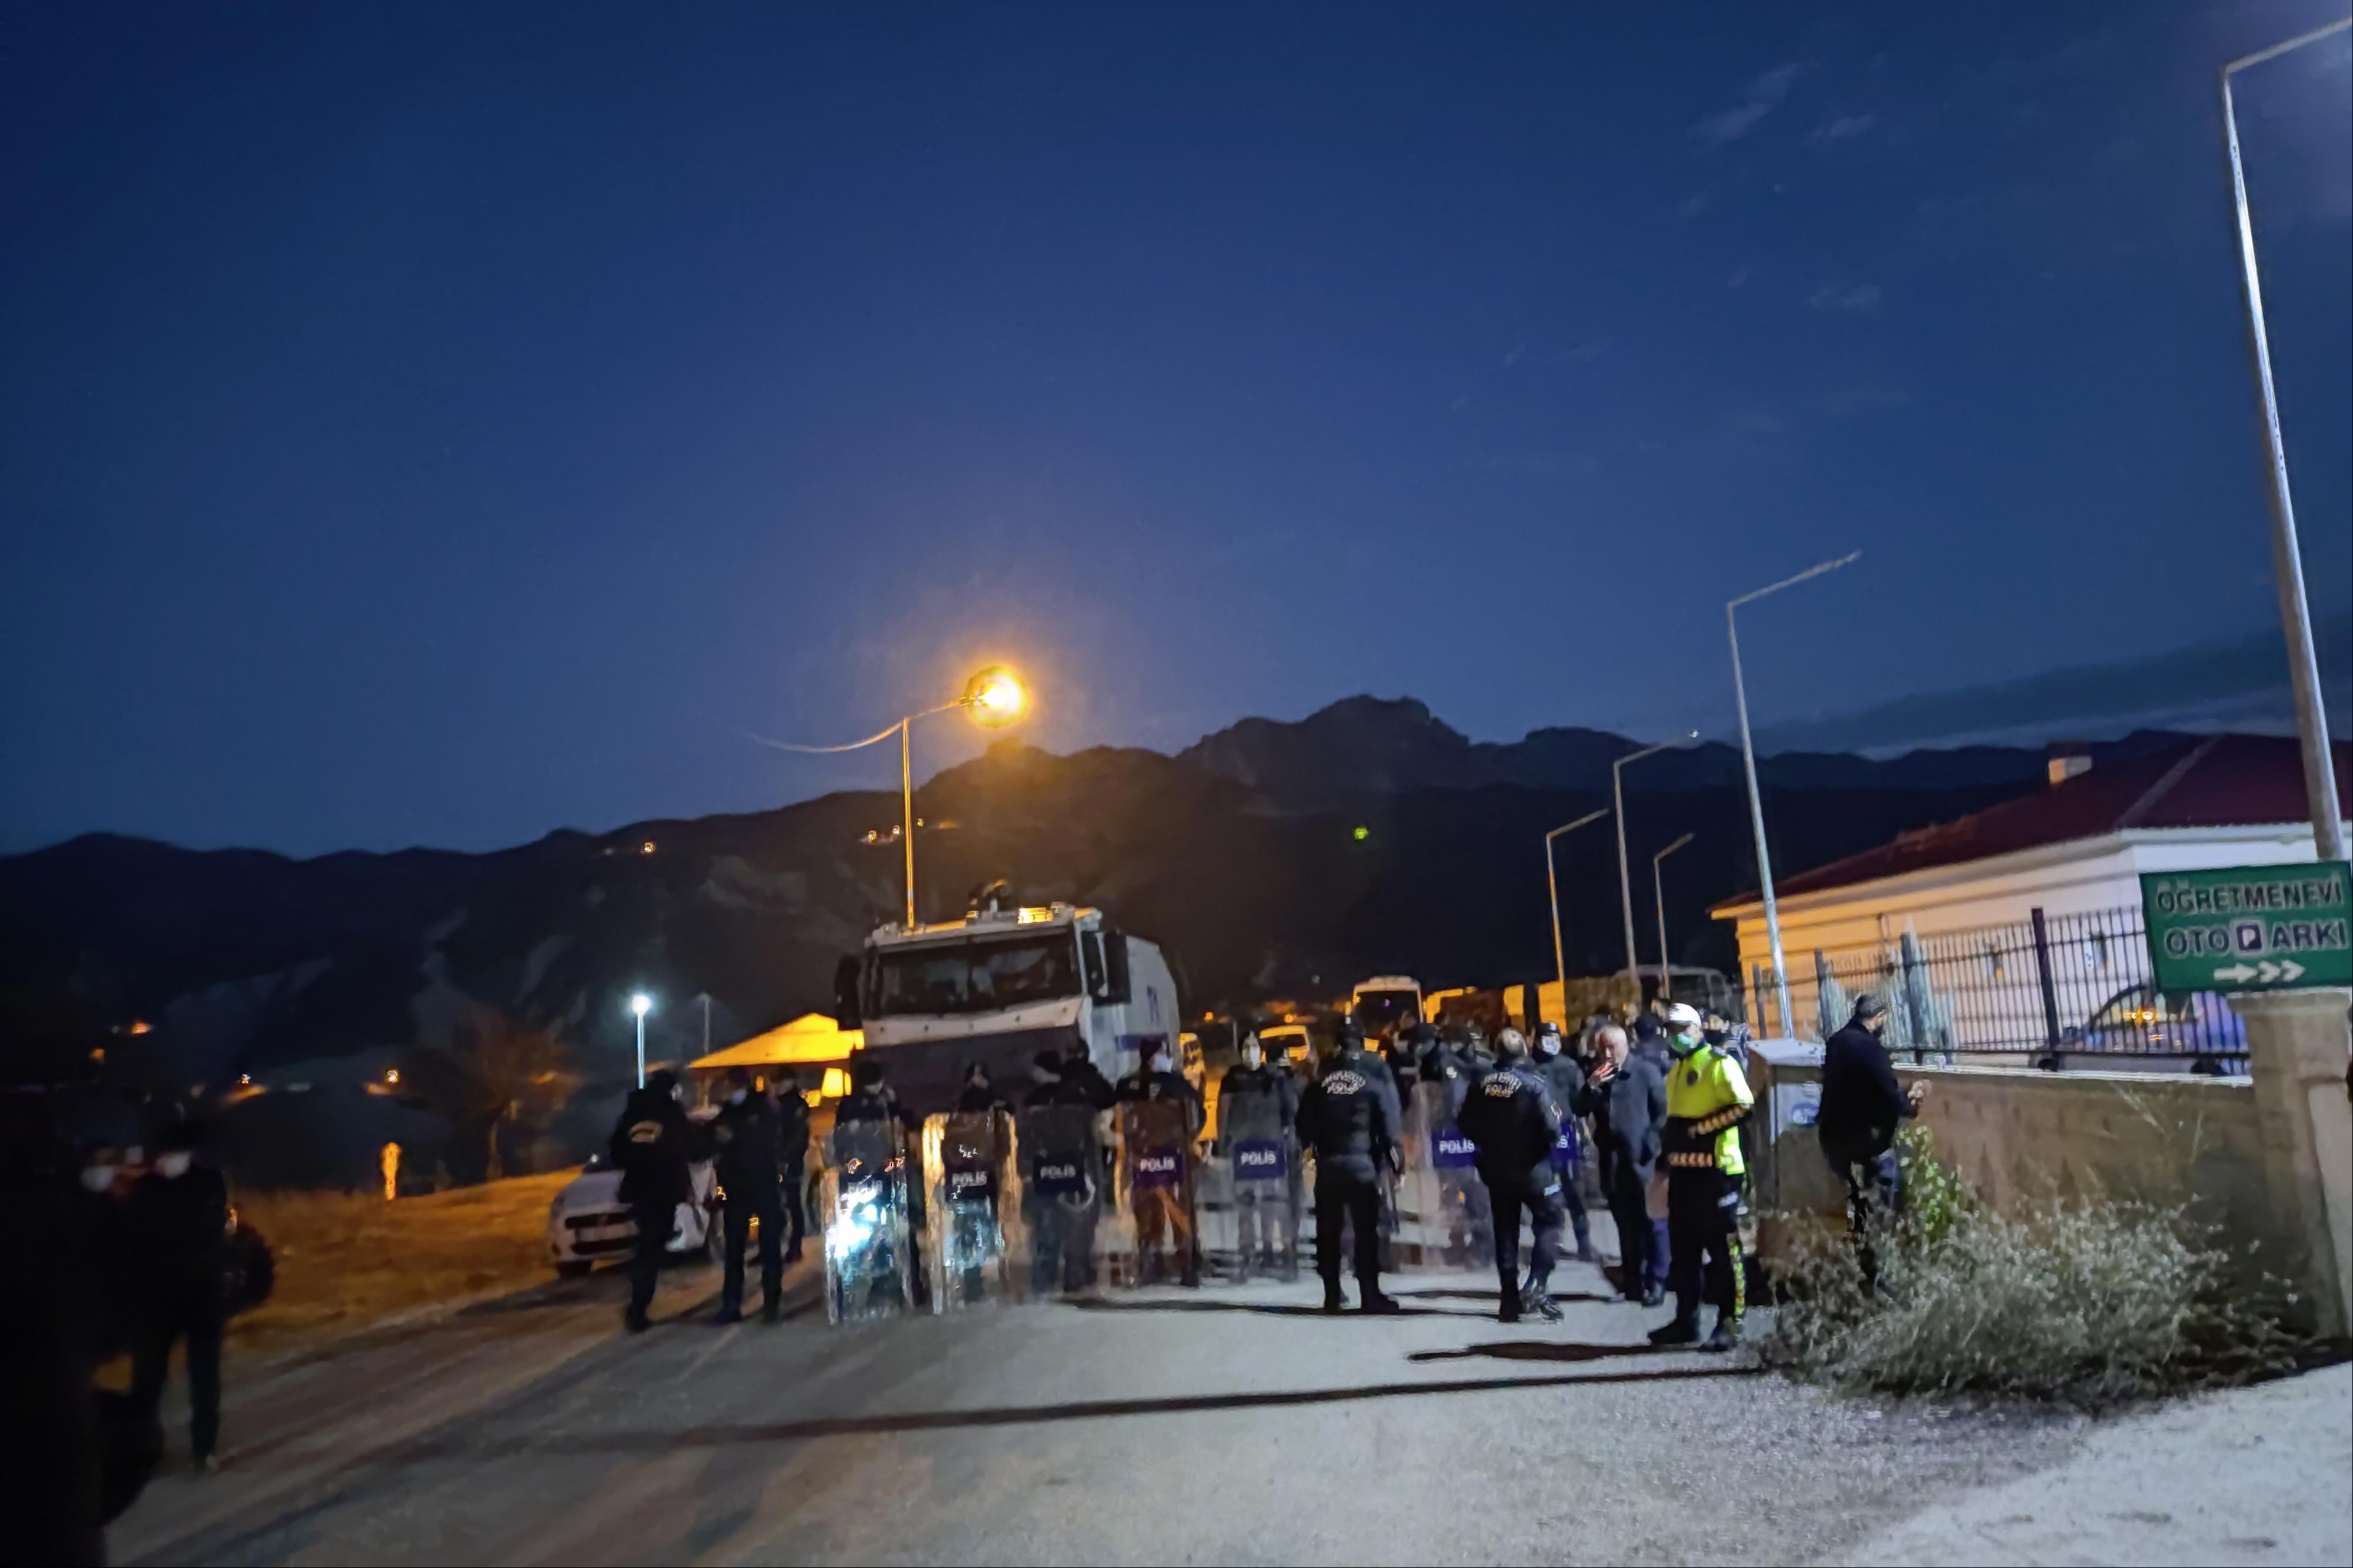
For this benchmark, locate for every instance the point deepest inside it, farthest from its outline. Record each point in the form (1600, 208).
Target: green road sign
(2251, 928)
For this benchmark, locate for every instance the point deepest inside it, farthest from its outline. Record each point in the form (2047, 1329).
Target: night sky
(440, 425)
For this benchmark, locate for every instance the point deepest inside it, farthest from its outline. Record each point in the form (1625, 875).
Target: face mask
(1252, 1056)
(1686, 1039)
(1715, 1037)
(1548, 1045)
(1040, 1075)
(172, 1167)
(1160, 1064)
(738, 1097)
(99, 1178)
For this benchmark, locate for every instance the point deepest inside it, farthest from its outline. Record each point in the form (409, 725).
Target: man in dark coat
(652, 1145)
(1626, 1096)
(178, 1223)
(1510, 1120)
(747, 1141)
(1863, 1106)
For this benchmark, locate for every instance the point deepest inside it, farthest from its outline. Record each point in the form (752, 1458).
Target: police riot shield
(1058, 1156)
(869, 1259)
(1156, 1181)
(972, 1190)
(1262, 1159)
(1454, 1222)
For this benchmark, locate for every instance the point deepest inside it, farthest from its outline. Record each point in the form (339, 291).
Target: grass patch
(346, 1261)
(2093, 1302)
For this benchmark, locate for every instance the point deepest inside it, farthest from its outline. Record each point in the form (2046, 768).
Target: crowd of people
(1648, 1107)
(1655, 1102)
(124, 1251)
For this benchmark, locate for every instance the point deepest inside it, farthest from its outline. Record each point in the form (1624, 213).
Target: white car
(587, 1220)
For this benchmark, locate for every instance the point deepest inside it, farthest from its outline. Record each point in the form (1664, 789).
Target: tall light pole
(2287, 558)
(1659, 895)
(1748, 762)
(995, 698)
(641, 1005)
(1552, 887)
(1625, 879)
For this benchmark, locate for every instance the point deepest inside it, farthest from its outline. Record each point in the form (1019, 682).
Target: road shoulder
(2261, 1475)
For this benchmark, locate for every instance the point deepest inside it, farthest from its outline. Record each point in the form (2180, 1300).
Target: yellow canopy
(811, 1038)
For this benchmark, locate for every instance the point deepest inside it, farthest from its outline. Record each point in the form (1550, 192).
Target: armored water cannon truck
(1000, 985)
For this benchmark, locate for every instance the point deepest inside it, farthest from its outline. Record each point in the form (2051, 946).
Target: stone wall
(2023, 1138)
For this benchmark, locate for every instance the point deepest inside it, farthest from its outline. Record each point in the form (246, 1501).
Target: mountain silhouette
(1242, 855)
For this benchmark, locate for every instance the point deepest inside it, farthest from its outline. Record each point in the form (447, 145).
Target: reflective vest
(1707, 1097)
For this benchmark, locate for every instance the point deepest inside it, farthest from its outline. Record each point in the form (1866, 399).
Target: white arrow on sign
(2236, 971)
(2290, 969)
(2267, 971)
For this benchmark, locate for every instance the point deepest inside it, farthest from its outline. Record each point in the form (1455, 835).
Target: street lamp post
(1552, 887)
(641, 1005)
(1748, 762)
(1659, 895)
(1625, 879)
(995, 698)
(2287, 558)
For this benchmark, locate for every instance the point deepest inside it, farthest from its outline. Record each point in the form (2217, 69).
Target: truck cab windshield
(975, 976)
(1382, 1011)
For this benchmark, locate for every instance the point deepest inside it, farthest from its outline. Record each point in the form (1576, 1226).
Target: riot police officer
(1511, 1120)
(1349, 1116)
(1165, 1213)
(1564, 1080)
(1707, 1099)
(652, 1145)
(1256, 1104)
(745, 1137)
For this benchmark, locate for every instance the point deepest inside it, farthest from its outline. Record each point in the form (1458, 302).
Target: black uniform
(1079, 1071)
(1349, 1118)
(652, 1145)
(1060, 1189)
(792, 1165)
(1629, 1108)
(1563, 1082)
(179, 1227)
(747, 1140)
(1510, 1119)
(1862, 1106)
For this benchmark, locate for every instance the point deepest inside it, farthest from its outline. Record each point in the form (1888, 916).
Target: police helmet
(1682, 1018)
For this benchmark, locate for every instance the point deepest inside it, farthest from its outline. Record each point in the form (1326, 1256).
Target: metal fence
(2057, 991)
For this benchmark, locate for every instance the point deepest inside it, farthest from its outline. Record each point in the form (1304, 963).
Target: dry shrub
(2089, 1301)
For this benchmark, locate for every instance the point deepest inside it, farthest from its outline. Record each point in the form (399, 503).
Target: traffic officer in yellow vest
(1707, 1099)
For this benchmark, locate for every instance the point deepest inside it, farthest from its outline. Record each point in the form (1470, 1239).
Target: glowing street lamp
(641, 1005)
(994, 696)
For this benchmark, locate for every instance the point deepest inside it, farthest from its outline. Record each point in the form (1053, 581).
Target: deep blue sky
(441, 425)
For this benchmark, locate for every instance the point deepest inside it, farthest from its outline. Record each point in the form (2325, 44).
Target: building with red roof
(2077, 846)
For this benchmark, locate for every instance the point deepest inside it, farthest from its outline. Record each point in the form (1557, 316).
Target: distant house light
(646, 847)
(1361, 834)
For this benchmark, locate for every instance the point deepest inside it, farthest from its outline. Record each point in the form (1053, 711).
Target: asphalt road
(1227, 1423)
